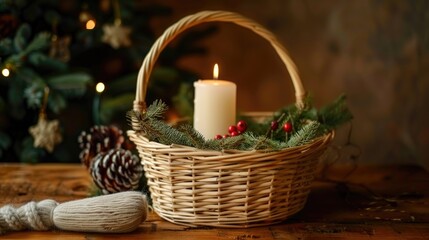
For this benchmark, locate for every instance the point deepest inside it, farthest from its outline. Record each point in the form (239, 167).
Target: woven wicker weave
(228, 188)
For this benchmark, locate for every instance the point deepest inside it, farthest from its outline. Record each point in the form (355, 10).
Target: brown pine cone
(116, 170)
(99, 139)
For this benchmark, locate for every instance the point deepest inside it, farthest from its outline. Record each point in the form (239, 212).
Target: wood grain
(372, 203)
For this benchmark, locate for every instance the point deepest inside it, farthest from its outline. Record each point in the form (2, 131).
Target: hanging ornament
(46, 133)
(116, 170)
(60, 48)
(115, 34)
(99, 139)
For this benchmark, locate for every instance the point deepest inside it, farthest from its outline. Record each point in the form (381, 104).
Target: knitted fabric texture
(36, 216)
(114, 213)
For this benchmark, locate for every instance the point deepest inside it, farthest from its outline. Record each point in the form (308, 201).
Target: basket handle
(170, 33)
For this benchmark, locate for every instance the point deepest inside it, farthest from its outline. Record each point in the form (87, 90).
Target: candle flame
(99, 87)
(216, 71)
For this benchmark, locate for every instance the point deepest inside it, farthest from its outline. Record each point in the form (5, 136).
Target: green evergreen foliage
(150, 123)
(31, 70)
(29, 28)
(308, 132)
(196, 139)
(335, 113)
(259, 136)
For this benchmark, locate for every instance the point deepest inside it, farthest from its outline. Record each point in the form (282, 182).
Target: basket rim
(162, 147)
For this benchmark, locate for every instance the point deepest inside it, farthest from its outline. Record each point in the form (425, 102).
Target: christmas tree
(52, 55)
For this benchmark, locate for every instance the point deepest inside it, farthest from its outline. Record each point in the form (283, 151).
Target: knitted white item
(114, 213)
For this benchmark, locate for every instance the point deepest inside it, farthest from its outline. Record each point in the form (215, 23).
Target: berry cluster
(241, 127)
(234, 130)
(287, 127)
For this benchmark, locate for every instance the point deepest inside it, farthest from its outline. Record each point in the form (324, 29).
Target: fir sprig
(335, 114)
(156, 110)
(156, 129)
(196, 138)
(307, 125)
(260, 142)
(305, 134)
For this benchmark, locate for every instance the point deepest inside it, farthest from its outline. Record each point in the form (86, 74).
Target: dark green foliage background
(25, 38)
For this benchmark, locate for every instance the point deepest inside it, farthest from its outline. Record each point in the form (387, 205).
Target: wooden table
(384, 202)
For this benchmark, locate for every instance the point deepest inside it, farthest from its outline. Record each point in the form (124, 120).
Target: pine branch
(156, 110)
(39, 43)
(163, 133)
(253, 141)
(21, 37)
(73, 84)
(196, 138)
(153, 128)
(140, 120)
(6, 47)
(140, 123)
(231, 142)
(213, 144)
(305, 134)
(41, 60)
(335, 114)
(305, 129)
(135, 120)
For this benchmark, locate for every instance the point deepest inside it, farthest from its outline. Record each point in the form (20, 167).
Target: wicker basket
(228, 188)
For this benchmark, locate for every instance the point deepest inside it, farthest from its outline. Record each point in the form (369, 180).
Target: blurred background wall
(376, 52)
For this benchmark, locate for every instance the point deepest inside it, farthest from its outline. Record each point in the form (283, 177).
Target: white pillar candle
(214, 106)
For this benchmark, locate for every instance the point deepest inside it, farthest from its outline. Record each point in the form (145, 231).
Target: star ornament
(46, 134)
(116, 35)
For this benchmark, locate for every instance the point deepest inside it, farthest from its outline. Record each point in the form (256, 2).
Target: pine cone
(116, 170)
(99, 139)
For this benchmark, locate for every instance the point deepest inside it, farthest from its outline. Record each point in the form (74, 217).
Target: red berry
(232, 129)
(235, 133)
(241, 126)
(218, 137)
(226, 136)
(287, 127)
(274, 125)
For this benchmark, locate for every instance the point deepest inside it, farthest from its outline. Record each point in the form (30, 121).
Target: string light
(100, 87)
(5, 72)
(90, 24)
(86, 18)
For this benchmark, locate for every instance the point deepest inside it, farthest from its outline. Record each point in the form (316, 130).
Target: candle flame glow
(99, 87)
(216, 71)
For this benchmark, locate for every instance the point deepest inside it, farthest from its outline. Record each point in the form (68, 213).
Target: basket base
(228, 223)
(193, 187)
